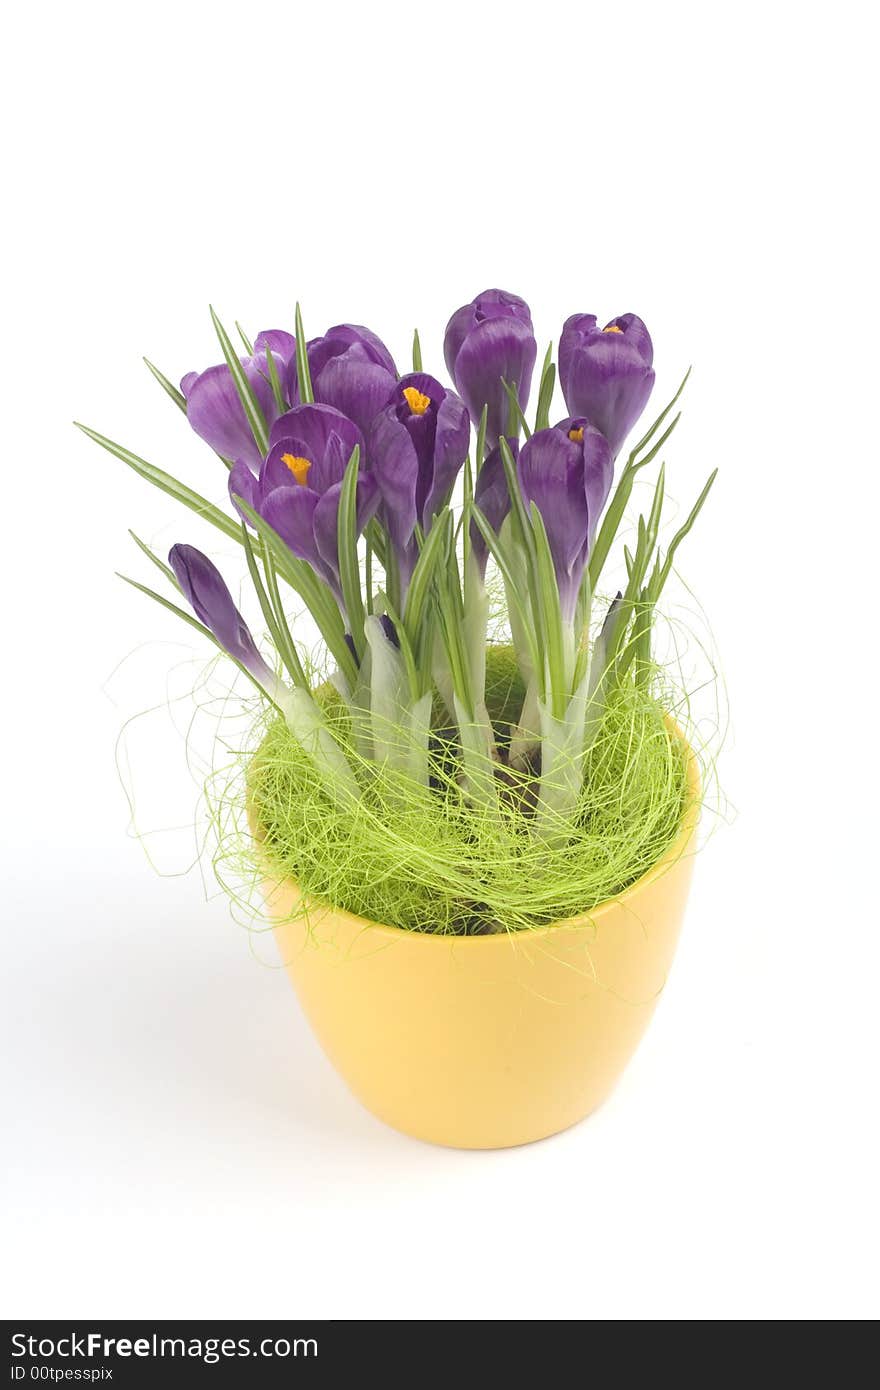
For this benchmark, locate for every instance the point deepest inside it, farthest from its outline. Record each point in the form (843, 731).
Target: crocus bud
(566, 471)
(213, 407)
(351, 369)
(417, 445)
(204, 588)
(488, 342)
(300, 485)
(492, 496)
(606, 373)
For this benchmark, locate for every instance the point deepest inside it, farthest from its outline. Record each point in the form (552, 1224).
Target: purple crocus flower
(300, 484)
(417, 445)
(214, 409)
(204, 588)
(606, 373)
(492, 496)
(566, 471)
(486, 341)
(352, 370)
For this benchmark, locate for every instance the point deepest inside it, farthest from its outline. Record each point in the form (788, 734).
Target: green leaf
(160, 564)
(654, 516)
(406, 651)
(549, 597)
(516, 420)
(316, 596)
(481, 438)
(545, 393)
(500, 555)
(518, 511)
(166, 483)
(430, 556)
(646, 438)
(346, 535)
(289, 652)
(249, 403)
(279, 631)
(275, 381)
(368, 574)
(376, 537)
(611, 522)
(416, 352)
(177, 396)
(680, 535)
(248, 345)
(303, 376)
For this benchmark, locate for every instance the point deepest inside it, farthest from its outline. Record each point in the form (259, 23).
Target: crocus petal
(313, 425)
(243, 484)
(451, 444)
(496, 349)
(326, 517)
(326, 526)
(368, 499)
(598, 465)
(204, 588)
(216, 414)
(457, 329)
(282, 343)
(290, 511)
(574, 334)
(276, 473)
(487, 305)
(551, 474)
(376, 349)
(355, 385)
(636, 333)
(395, 466)
(187, 382)
(492, 496)
(606, 375)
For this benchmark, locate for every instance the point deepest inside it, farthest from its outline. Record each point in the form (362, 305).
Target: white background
(176, 1144)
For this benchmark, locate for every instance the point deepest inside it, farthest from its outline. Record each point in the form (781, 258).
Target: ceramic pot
(483, 1042)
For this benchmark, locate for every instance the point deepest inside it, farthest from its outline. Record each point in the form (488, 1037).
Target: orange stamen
(417, 402)
(299, 467)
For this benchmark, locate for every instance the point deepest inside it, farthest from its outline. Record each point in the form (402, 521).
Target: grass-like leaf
(166, 483)
(481, 439)
(160, 564)
(499, 553)
(430, 556)
(249, 403)
(516, 420)
(545, 392)
(275, 381)
(167, 386)
(316, 596)
(349, 569)
(416, 351)
(303, 375)
(549, 598)
(663, 574)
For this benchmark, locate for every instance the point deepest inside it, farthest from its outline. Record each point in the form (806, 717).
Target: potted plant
(474, 821)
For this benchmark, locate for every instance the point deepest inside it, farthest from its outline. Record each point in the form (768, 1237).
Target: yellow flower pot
(483, 1042)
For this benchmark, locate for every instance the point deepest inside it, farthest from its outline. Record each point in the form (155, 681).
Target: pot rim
(675, 852)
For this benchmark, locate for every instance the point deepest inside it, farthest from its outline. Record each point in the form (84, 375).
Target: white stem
(306, 723)
(478, 757)
(562, 767)
(400, 726)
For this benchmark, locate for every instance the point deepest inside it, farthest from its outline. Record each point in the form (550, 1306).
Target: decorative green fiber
(423, 861)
